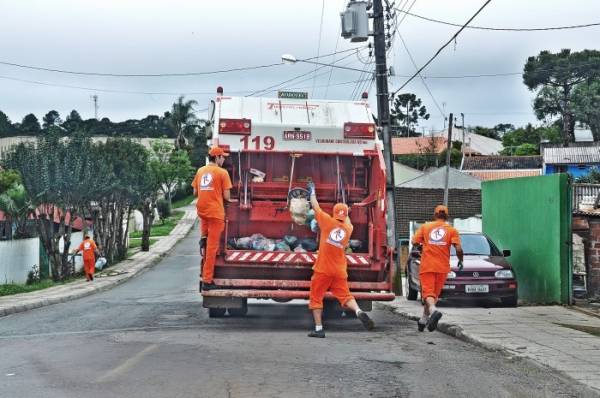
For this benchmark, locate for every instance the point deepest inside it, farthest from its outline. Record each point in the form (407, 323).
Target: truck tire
(239, 311)
(216, 312)
(332, 310)
(411, 294)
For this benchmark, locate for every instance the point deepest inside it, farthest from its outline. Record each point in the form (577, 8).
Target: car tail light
(235, 126)
(359, 130)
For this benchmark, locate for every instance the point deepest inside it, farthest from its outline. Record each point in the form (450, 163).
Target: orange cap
(340, 211)
(217, 151)
(440, 209)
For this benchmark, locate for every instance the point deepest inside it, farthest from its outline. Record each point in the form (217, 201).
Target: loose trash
(243, 243)
(299, 249)
(355, 245)
(314, 226)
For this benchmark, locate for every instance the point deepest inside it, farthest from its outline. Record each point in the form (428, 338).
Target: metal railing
(585, 195)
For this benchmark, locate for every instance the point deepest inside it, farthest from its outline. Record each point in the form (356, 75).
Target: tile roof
(571, 155)
(487, 175)
(416, 145)
(502, 162)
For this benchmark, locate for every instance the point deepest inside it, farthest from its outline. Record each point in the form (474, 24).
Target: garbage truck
(276, 146)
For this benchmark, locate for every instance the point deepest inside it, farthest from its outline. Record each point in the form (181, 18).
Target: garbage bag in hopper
(291, 241)
(309, 244)
(244, 243)
(281, 246)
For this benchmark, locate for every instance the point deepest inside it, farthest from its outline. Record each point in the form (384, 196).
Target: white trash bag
(100, 263)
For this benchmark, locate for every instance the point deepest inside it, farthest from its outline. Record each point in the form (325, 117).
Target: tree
(182, 121)
(30, 125)
(6, 127)
(555, 75)
(15, 204)
(586, 106)
(514, 141)
(171, 167)
(51, 118)
(408, 106)
(486, 132)
(73, 122)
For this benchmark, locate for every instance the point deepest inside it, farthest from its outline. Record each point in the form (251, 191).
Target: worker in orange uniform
(330, 267)
(89, 249)
(211, 185)
(436, 237)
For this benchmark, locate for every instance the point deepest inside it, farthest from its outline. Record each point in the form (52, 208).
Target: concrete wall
(19, 256)
(531, 216)
(17, 259)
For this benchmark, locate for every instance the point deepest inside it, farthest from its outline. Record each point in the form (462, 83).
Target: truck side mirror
(506, 253)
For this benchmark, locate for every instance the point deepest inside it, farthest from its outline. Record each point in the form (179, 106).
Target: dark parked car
(486, 273)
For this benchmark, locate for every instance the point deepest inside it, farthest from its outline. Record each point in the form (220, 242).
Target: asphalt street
(151, 337)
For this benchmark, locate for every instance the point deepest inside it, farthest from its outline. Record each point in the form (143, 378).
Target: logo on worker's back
(436, 236)
(206, 182)
(86, 246)
(336, 236)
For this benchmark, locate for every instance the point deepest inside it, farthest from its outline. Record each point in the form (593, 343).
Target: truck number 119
(268, 142)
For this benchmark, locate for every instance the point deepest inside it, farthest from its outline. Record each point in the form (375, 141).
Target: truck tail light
(359, 130)
(235, 126)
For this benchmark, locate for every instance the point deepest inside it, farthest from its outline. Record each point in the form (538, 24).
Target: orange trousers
(321, 283)
(89, 266)
(432, 284)
(211, 228)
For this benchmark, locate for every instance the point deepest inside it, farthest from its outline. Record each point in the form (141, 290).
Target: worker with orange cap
(211, 185)
(329, 271)
(89, 250)
(436, 237)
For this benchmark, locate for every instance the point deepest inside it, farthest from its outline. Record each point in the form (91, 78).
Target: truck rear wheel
(242, 311)
(332, 310)
(216, 312)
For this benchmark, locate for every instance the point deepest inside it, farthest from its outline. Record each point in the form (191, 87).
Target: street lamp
(290, 59)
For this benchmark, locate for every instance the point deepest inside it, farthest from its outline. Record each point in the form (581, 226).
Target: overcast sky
(153, 37)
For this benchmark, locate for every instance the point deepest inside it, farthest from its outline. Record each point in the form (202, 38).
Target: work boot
(366, 321)
(421, 326)
(320, 334)
(209, 286)
(433, 320)
(200, 286)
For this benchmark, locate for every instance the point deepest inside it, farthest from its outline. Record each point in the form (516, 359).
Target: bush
(182, 192)
(164, 208)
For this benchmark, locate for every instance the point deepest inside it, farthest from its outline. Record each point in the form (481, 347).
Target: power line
(214, 72)
(319, 44)
(441, 48)
(422, 80)
(501, 29)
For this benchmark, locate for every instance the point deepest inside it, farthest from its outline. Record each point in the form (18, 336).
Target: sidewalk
(529, 332)
(104, 280)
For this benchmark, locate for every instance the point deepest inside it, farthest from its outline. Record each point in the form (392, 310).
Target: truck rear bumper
(292, 294)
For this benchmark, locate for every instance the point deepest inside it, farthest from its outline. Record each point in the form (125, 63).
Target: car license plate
(477, 288)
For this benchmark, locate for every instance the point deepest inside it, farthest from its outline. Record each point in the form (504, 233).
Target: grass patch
(183, 202)
(593, 330)
(135, 243)
(11, 288)
(162, 228)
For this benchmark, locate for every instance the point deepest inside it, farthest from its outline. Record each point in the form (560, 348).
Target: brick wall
(593, 258)
(414, 204)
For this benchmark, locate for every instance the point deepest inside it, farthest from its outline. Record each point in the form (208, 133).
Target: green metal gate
(532, 217)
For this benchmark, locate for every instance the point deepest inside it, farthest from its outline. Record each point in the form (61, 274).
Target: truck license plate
(477, 288)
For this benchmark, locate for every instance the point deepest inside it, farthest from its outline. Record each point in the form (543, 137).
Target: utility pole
(448, 150)
(407, 118)
(462, 147)
(95, 99)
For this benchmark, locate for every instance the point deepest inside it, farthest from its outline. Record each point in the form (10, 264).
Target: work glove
(460, 265)
(310, 187)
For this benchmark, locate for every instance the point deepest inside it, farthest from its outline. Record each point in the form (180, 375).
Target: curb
(451, 330)
(584, 311)
(80, 291)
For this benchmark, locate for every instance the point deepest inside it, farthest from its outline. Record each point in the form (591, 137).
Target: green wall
(531, 216)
